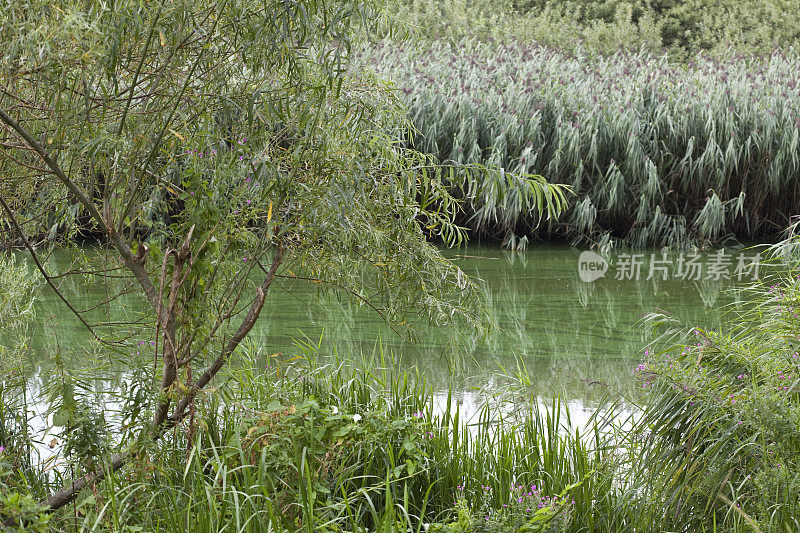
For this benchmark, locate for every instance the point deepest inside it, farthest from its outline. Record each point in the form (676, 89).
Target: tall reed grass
(657, 153)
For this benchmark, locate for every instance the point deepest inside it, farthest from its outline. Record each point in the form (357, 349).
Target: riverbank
(300, 442)
(299, 446)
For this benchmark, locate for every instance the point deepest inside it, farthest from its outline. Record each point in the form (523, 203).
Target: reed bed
(657, 153)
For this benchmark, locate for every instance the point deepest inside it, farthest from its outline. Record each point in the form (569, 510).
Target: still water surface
(575, 338)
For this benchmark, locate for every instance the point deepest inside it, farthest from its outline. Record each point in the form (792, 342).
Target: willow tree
(215, 146)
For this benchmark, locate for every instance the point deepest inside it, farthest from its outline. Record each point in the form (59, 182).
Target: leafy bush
(681, 27)
(19, 511)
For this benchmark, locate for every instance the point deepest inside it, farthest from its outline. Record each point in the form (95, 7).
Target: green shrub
(681, 27)
(19, 511)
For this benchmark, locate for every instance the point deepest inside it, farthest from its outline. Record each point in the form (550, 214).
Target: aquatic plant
(657, 153)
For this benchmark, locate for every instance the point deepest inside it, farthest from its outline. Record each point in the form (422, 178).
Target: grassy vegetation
(363, 444)
(663, 145)
(657, 154)
(296, 445)
(723, 412)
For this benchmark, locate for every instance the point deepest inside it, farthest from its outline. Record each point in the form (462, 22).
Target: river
(577, 338)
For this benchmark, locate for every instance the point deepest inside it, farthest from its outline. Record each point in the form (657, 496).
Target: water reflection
(574, 338)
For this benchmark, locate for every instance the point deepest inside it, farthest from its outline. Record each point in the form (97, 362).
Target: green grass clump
(718, 438)
(364, 446)
(657, 154)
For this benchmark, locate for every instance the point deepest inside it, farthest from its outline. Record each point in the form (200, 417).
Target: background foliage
(683, 28)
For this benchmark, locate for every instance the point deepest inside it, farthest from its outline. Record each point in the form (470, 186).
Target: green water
(569, 334)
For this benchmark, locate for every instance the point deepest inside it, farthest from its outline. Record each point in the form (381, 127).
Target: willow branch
(39, 266)
(134, 264)
(67, 494)
(245, 327)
